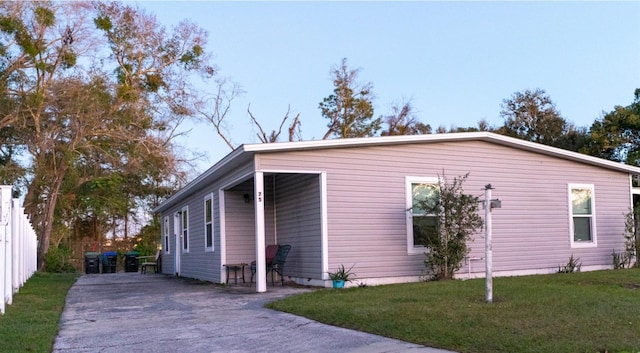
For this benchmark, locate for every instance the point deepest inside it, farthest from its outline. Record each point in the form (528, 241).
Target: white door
(177, 231)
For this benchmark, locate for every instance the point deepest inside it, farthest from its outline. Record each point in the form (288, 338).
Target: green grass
(578, 312)
(30, 324)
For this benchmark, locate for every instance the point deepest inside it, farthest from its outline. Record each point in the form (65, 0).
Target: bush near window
(457, 220)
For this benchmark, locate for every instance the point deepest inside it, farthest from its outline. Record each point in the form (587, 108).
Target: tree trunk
(47, 222)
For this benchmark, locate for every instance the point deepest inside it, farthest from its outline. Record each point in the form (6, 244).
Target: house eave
(247, 151)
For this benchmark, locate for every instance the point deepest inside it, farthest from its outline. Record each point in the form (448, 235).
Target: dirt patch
(631, 285)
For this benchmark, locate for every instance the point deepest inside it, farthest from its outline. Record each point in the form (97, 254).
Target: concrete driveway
(131, 312)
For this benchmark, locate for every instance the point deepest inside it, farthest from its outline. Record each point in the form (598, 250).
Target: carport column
(261, 267)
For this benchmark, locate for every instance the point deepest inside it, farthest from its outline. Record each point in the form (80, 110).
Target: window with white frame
(582, 223)
(185, 229)
(165, 233)
(421, 224)
(208, 222)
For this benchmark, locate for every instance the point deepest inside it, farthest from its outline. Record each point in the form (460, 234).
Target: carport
(269, 207)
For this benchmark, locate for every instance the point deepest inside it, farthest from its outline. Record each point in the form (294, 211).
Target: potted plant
(341, 276)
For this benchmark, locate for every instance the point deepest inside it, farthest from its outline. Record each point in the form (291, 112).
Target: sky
(455, 61)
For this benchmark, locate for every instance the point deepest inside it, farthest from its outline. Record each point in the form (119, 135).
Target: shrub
(58, 260)
(457, 219)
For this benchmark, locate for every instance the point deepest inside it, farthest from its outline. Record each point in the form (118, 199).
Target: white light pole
(488, 205)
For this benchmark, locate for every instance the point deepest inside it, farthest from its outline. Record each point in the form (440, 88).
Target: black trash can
(91, 262)
(131, 261)
(109, 260)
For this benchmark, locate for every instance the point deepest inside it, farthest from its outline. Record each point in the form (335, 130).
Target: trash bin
(109, 260)
(91, 262)
(131, 261)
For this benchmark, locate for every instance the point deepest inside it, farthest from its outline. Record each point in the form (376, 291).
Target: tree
(349, 109)
(107, 117)
(457, 219)
(532, 116)
(293, 129)
(617, 135)
(402, 121)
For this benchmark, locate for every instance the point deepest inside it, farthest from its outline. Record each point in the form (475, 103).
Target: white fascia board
(431, 138)
(403, 139)
(185, 190)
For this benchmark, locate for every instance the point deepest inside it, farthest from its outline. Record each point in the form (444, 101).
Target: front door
(177, 231)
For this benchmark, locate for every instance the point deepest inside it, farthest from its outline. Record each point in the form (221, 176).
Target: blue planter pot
(338, 284)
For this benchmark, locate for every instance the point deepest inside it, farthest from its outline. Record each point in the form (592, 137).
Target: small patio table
(235, 268)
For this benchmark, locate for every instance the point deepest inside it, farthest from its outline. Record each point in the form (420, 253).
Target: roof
(247, 151)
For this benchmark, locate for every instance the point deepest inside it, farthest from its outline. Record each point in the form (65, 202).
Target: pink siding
(366, 203)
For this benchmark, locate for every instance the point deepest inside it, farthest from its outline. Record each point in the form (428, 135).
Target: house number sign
(259, 196)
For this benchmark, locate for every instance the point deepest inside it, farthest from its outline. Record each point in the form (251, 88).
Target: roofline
(402, 139)
(219, 165)
(457, 136)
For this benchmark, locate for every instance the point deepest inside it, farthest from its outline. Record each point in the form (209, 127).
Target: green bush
(58, 260)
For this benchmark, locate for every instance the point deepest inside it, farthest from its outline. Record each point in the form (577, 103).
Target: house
(345, 201)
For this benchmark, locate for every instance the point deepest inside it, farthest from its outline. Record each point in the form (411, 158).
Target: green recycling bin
(131, 261)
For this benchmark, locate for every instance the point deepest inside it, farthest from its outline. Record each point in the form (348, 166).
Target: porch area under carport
(266, 208)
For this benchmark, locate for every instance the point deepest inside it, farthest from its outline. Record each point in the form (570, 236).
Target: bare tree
(402, 121)
(215, 108)
(293, 130)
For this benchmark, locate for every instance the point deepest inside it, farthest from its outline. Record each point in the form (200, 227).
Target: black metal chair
(277, 265)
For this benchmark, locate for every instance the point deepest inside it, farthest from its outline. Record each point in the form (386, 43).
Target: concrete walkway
(130, 312)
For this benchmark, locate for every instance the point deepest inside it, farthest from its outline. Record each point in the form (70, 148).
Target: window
(582, 215)
(185, 229)
(208, 223)
(165, 232)
(421, 225)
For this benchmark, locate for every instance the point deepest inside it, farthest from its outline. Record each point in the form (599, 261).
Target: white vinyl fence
(18, 247)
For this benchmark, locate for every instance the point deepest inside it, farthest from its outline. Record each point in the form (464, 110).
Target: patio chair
(276, 265)
(146, 262)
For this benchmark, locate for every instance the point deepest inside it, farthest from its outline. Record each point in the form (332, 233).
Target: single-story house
(346, 202)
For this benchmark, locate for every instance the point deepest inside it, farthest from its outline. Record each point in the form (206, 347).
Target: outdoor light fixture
(247, 199)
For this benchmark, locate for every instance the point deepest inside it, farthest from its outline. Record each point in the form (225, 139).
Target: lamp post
(488, 205)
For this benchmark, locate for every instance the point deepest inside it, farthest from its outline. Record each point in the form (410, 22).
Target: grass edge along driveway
(579, 312)
(30, 324)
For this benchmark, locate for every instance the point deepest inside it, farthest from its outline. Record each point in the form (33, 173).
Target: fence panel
(18, 247)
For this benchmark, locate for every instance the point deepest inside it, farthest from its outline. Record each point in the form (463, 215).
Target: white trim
(166, 236)
(408, 181)
(237, 181)
(177, 230)
(223, 234)
(250, 150)
(209, 197)
(324, 225)
(430, 138)
(594, 238)
(184, 231)
(258, 202)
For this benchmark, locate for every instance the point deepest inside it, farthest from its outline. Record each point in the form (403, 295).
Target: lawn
(30, 324)
(578, 312)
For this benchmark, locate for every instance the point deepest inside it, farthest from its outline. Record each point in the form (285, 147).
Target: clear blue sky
(456, 61)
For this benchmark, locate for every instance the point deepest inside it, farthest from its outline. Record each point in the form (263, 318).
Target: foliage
(349, 109)
(30, 324)
(58, 260)
(403, 121)
(98, 137)
(342, 274)
(617, 135)
(457, 219)
(532, 313)
(573, 265)
(532, 116)
(148, 240)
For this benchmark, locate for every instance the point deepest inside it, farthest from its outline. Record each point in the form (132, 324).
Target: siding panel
(366, 203)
